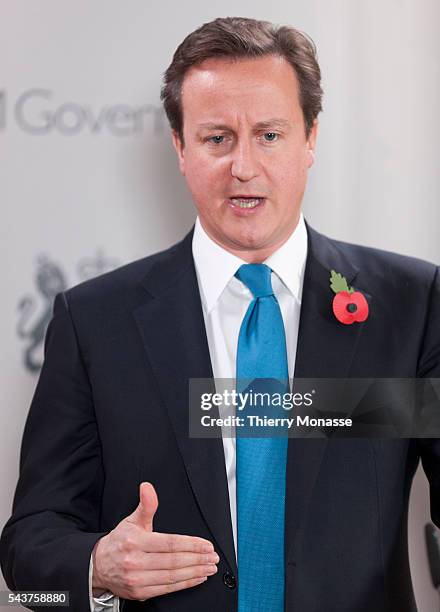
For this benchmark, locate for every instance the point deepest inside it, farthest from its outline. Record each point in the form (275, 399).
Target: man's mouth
(246, 201)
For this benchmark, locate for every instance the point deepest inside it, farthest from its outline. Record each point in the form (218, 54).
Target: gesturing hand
(135, 562)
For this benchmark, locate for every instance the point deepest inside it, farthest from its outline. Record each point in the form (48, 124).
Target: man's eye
(216, 139)
(270, 136)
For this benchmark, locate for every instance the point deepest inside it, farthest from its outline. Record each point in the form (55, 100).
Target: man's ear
(180, 150)
(311, 142)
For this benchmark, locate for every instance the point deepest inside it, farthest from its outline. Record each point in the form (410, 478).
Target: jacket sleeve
(429, 367)
(47, 542)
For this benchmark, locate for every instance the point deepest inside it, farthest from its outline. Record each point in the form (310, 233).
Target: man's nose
(244, 165)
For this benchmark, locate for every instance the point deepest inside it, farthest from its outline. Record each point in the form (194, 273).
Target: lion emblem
(50, 280)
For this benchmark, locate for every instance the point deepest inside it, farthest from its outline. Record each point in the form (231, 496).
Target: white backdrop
(89, 179)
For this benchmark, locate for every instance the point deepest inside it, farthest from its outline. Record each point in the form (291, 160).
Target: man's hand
(135, 562)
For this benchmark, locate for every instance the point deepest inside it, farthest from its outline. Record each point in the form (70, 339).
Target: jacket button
(229, 580)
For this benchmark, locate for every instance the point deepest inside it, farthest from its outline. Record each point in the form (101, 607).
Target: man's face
(246, 155)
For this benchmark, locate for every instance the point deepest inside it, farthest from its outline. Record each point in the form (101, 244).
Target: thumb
(146, 509)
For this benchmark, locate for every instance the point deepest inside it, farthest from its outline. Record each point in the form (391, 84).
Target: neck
(252, 255)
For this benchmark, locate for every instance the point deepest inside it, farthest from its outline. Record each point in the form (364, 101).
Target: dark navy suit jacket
(111, 410)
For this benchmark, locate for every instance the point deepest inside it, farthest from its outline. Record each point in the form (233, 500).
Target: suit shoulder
(119, 283)
(380, 263)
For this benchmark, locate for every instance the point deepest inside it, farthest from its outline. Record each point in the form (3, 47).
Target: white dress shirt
(225, 300)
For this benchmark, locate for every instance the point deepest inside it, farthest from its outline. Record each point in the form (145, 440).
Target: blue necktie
(261, 462)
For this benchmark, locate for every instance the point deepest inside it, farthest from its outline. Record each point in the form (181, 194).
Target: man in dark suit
(111, 407)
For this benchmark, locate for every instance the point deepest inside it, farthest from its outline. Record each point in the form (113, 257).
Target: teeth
(246, 202)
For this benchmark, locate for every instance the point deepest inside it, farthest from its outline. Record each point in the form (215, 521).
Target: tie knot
(256, 277)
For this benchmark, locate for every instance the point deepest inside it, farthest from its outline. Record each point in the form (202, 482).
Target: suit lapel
(173, 332)
(325, 350)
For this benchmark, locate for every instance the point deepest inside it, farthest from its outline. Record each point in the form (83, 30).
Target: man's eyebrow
(260, 125)
(214, 126)
(273, 123)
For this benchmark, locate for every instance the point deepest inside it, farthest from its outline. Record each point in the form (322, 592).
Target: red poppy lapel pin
(349, 306)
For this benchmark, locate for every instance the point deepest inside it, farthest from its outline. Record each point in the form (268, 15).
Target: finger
(144, 513)
(143, 561)
(168, 577)
(155, 591)
(173, 543)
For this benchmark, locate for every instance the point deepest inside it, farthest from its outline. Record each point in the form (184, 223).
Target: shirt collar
(215, 266)
(289, 261)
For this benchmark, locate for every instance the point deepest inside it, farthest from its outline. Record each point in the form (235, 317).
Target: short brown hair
(240, 37)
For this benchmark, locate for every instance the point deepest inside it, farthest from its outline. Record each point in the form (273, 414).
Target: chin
(249, 243)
